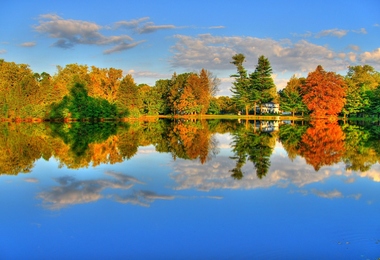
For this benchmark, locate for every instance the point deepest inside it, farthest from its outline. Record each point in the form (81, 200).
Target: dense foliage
(258, 88)
(78, 92)
(78, 105)
(324, 93)
(328, 94)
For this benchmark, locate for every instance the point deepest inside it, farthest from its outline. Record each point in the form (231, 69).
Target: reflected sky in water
(152, 206)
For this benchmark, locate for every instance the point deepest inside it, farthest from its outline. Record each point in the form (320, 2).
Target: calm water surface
(190, 190)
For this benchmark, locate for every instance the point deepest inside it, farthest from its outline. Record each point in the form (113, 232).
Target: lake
(190, 189)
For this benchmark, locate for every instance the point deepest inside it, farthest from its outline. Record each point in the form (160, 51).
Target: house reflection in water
(269, 126)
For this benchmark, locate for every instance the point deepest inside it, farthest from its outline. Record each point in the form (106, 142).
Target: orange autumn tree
(187, 102)
(322, 143)
(324, 93)
(192, 139)
(104, 83)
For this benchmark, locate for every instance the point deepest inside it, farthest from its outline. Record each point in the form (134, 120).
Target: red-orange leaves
(324, 93)
(322, 143)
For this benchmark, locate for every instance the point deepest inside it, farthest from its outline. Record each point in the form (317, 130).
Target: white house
(270, 107)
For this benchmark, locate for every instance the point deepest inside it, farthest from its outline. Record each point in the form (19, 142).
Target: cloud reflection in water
(296, 175)
(72, 191)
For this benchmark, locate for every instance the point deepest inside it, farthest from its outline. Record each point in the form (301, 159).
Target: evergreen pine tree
(262, 81)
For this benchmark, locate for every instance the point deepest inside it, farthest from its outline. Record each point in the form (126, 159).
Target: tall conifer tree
(241, 87)
(262, 82)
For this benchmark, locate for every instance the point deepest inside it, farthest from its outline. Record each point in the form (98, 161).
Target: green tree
(21, 94)
(262, 82)
(374, 101)
(243, 94)
(66, 77)
(78, 105)
(214, 108)
(227, 105)
(128, 98)
(162, 88)
(151, 99)
(291, 97)
(360, 81)
(363, 75)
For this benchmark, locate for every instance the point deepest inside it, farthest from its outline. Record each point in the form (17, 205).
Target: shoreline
(197, 117)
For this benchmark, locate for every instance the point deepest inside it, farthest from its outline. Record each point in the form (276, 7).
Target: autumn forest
(79, 92)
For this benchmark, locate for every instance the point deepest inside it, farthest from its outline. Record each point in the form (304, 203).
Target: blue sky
(153, 39)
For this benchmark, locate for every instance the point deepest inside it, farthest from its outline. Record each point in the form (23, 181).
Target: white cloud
(141, 25)
(131, 24)
(147, 74)
(352, 56)
(217, 27)
(354, 47)
(371, 57)
(28, 44)
(281, 82)
(332, 32)
(122, 47)
(360, 31)
(73, 32)
(148, 77)
(229, 80)
(3, 51)
(151, 27)
(205, 49)
(304, 35)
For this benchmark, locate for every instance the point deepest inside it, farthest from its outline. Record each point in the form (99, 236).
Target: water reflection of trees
(325, 142)
(361, 147)
(78, 145)
(82, 144)
(322, 143)
(21, 145)
(252, 145)
(290, 136)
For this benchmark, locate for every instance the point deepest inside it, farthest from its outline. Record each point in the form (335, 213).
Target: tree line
(79, 92)
(320, 94)
(325, 93)
(82, 92)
